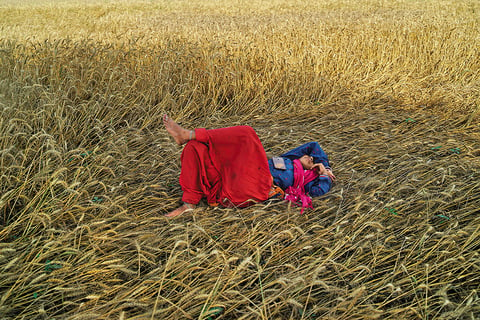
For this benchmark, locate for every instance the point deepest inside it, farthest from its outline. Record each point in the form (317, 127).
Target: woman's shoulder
(288, 162)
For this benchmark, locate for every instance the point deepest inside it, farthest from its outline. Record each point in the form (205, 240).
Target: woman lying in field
(229, 167)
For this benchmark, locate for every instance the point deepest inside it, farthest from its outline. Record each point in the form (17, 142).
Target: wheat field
(390, 89)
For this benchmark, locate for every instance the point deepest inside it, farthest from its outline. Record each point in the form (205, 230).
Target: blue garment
(284, 178)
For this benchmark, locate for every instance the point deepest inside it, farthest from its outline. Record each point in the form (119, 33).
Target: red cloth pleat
(198, 177)
(236, 173)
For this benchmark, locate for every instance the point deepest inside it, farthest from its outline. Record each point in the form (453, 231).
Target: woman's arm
(321, 170)
(319, 186)
(312, 149)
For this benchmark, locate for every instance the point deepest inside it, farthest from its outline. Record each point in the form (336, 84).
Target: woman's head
(307, 162)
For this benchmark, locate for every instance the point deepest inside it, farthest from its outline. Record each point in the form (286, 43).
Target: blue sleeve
(312, 149)
(319, 186)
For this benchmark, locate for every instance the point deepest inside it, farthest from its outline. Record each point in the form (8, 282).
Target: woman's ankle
(189, 205)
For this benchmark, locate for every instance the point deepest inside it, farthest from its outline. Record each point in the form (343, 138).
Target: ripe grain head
(389, 89)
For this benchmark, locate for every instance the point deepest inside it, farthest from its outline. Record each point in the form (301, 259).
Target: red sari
(228, 166)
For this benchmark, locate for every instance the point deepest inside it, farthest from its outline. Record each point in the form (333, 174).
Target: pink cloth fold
(296, 192)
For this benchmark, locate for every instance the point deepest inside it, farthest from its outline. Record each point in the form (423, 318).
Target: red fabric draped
(227, 166)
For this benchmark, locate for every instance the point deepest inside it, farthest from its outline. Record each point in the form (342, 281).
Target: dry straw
(390, 89)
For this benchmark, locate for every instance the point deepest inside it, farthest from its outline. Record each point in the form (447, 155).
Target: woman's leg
(179, 134)
(236, 160)
(198, 176)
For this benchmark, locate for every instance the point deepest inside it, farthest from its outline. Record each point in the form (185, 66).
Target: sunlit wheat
(390, 89)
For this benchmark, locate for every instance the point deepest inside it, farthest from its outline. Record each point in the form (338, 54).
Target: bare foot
(186, 207)
(179, 134)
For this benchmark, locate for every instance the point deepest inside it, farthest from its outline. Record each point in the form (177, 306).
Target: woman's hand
(331, 175)
(320, 168)
(323, 171)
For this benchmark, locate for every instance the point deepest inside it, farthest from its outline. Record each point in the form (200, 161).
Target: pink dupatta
(296, 193)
